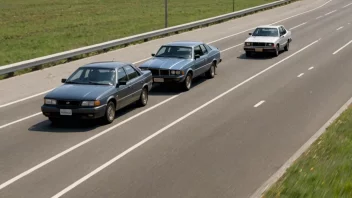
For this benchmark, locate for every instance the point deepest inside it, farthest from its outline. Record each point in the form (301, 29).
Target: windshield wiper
(96, 83)
(71, 82)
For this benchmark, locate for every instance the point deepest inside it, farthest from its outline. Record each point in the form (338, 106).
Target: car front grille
(258, 44)
(164, 72)
(155, 72)
(68, 103)
(161, 72)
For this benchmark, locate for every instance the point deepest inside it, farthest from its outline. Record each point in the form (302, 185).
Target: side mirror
(63, 80)
(153, 54)
(196, 56)
(250, 33)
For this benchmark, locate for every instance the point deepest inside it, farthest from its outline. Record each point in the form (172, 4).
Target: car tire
(211, 72)
(277, 51)
(248, 54)
(110, 112)
(54, 121)
(287, 45)
(187, 83)
(143, 99)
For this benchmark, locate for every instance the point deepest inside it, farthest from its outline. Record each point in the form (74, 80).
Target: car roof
(269, 26)
(107, 64)
(184, 43)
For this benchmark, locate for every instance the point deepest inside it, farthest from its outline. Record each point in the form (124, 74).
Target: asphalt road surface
(223, 138)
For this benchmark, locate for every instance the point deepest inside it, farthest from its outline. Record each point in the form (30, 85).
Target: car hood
(165, 63)
(262, 39)
(78, 92)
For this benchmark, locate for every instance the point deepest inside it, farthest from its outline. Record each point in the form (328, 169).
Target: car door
(134, 82)
(198, 62)
(123, 91)
(207, 59)
(283, 39)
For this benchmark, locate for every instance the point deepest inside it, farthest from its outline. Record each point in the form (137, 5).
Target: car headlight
(270, 44)
(176, 72)
(248, 44)
(50, 101)
(90, 103)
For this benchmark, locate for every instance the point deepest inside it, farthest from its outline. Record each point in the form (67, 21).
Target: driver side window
(122, 75)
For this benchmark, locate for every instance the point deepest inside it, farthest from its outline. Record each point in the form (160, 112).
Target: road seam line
(330, 12)
(337, 51)
(67, 189)
(259, 103)
(278, 174)
(298, 25)
(3, 185)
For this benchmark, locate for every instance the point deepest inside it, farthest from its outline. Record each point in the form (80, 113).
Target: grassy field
(325, 170)
(34, 28)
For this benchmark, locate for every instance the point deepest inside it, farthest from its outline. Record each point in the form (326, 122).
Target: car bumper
(168, 79)
(259, 49)
(79, 113)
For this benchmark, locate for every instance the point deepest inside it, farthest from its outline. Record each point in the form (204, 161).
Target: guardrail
(6, 69)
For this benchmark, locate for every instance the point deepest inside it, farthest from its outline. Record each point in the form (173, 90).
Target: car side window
(198, 51)
(204, 50)
(131, 73)
(208, 48)
(122, 76)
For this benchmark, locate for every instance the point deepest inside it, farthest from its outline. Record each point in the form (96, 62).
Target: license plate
(258, 49)
(67, 112)
(158, 80)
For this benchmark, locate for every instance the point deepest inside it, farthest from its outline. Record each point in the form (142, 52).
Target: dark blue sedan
(180, 62)
(97, 90)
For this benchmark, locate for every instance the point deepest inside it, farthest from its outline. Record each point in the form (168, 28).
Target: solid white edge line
(259, 103)
(65, 190)
(310, 68)
(300, 75)
(22, 119)
(277, 175)
(337, 51)
(339, 28)
(35, 95)
(3, 185)
(298, 26)
(330, 12)
(347, 5)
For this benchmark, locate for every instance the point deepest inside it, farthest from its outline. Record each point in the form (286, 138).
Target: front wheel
(211, 72)
(187, 83)
(109, 113)
(287, 45)
(277, 51)
(143, 99)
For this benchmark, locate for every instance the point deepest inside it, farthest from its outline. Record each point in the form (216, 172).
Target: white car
(268, 39)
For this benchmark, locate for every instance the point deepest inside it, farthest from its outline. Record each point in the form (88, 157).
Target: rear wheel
(211, 72)
(143, 99)
(187, 83)
(109, 113)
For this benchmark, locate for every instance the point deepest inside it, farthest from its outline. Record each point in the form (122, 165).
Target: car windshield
(96, 76)
(175, 51)
(266, 32)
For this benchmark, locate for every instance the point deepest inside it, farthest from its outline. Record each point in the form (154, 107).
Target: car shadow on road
(76, 126)
(171, 89)
(258, 56)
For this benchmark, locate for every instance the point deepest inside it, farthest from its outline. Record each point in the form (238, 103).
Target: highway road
(223, 138)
